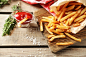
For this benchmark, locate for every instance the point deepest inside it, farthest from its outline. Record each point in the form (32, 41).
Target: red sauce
(22, 15)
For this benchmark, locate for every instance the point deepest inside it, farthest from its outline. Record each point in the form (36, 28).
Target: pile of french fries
(69, 14)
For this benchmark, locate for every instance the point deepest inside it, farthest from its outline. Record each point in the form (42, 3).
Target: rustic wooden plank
(42, 52)
(24, 6)
(24, 36)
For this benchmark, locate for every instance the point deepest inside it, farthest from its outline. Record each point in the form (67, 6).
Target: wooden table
(29, 42)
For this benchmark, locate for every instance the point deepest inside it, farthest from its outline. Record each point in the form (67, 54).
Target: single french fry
(54, 31)
(65, 6)
(61, 15)
(48, 30)
(65, 43)
(59, 30)
(58, 36)
(61, 24)
(66, 17)
(79, 18)
(58, 8)
(72, 37)
(44, 20)
(73, 17)
(67, 22)
(49, 18)
(76, 24)
(78, 7)
(41, 26)
(50, 36)
(83, 11)
(50, 24)
(52, 28)
(68, 12)
(56, 22)
(58, 12)
(51, 10)
(63, 27)
(19, 24)
(61, 33)
(70, 8)
(80, 21)
(68, 31)
(75, 3)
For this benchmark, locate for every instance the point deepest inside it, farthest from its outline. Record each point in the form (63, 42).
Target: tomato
(22, 15)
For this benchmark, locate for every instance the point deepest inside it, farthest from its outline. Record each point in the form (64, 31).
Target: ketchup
(22, 15)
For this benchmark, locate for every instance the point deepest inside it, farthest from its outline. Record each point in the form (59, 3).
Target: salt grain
(40, 52)
(34, 41)
(38, 49)
(26, 34)
(22, 51)
(27, 37)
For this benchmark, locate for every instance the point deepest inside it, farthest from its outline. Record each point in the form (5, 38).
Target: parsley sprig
(10, 22)
(8, 26)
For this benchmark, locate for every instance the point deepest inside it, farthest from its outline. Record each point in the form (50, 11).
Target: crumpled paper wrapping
(61, 2)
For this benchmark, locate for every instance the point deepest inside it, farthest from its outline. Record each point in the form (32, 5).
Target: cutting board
(53, 47)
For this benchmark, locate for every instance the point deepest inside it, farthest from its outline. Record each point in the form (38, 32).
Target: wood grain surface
(41, 52)
(24, 37)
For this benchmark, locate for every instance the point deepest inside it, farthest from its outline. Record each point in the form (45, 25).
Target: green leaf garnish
(8, 26)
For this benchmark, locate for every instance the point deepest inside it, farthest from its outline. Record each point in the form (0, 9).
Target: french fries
(76, 39)
(79, 18)
(78, 7)
(70, 8)
(48, 30)
(41, 26)
(68, 12)
(68, 15)
(76, 24)
(75, 3)
(50, 36)
(58, 36)
(62, 27)
(83, 11)
(65, 43)
(19, 24)
(61, 15)
(73, 17)
(58, 8)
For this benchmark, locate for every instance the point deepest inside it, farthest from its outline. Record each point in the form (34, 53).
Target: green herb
(11, 22)
(3, 2)
(16, 7)
(8, 26)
